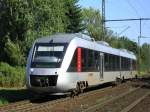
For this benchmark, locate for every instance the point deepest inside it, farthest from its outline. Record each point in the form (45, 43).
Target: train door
(101, 65)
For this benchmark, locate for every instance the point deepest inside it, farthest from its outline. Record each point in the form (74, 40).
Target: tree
(14, 23)
(14, 53)
(145, 54)
(48, 18)
(74, 16)
(92, 20)
(23, 21)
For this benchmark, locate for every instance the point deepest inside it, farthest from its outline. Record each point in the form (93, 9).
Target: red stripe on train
(79, 60)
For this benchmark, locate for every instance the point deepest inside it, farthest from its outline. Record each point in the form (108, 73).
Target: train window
(125, 64)
(117, 63)
(106, 62)
(129, 64)
(91, 60)
(112, 62)
(48, 55)
(84, 59)
(87, 60)
(122, 63)
(73, 65)
(96, 65)
(50, 48)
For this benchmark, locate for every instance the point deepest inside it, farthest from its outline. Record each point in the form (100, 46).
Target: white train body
(57, 63)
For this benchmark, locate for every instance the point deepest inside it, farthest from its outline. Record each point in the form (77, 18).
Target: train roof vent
(103, 43)
(124, 50)
(130, 52)
(83, 36)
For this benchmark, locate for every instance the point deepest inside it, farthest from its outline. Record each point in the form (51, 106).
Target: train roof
(66, 38)
(57, 38)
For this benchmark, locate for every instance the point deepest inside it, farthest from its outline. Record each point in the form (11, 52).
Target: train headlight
(31, 70)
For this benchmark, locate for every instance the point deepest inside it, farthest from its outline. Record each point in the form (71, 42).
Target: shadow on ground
(14, 95)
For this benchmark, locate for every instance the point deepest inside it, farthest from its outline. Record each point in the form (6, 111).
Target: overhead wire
(129, 3)
(115, 27)
(144, 10)
(135, 10)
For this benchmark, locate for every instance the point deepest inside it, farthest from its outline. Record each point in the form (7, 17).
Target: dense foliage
(11, 76)
(92, 21)
(23, 21)
(3, 101)
(74, 15)
(145, 57)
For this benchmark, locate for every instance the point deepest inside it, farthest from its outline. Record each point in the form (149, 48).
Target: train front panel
(44, 72)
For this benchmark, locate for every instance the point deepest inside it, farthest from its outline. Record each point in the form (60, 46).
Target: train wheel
(78, 88)
(76, 91)
(73, 93)
(118, 81)
(123, 79)
(87, 84)
(81, 87)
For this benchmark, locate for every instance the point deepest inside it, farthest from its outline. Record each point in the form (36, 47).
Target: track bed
(122, 98)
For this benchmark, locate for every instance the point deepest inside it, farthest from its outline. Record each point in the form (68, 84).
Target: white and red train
(65, 62)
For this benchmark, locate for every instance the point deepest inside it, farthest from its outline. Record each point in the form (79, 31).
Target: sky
(124, 9)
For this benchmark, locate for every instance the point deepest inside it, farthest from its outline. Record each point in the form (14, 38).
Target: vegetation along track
(78, 103)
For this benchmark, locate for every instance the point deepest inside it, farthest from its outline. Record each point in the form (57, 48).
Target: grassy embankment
(3, 101)
(12, 83)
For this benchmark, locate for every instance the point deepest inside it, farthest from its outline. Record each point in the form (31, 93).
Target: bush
(14, 53)
(11, 76)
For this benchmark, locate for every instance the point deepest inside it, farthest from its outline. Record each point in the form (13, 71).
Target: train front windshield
(48, 55)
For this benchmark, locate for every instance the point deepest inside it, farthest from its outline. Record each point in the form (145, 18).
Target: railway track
(142, 106)
(78, 103)
(131, 106)
(30, 106)
(124, 102)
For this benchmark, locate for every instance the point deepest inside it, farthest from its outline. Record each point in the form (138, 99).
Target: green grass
(142, 73)
(11, 76)
(3, 101)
